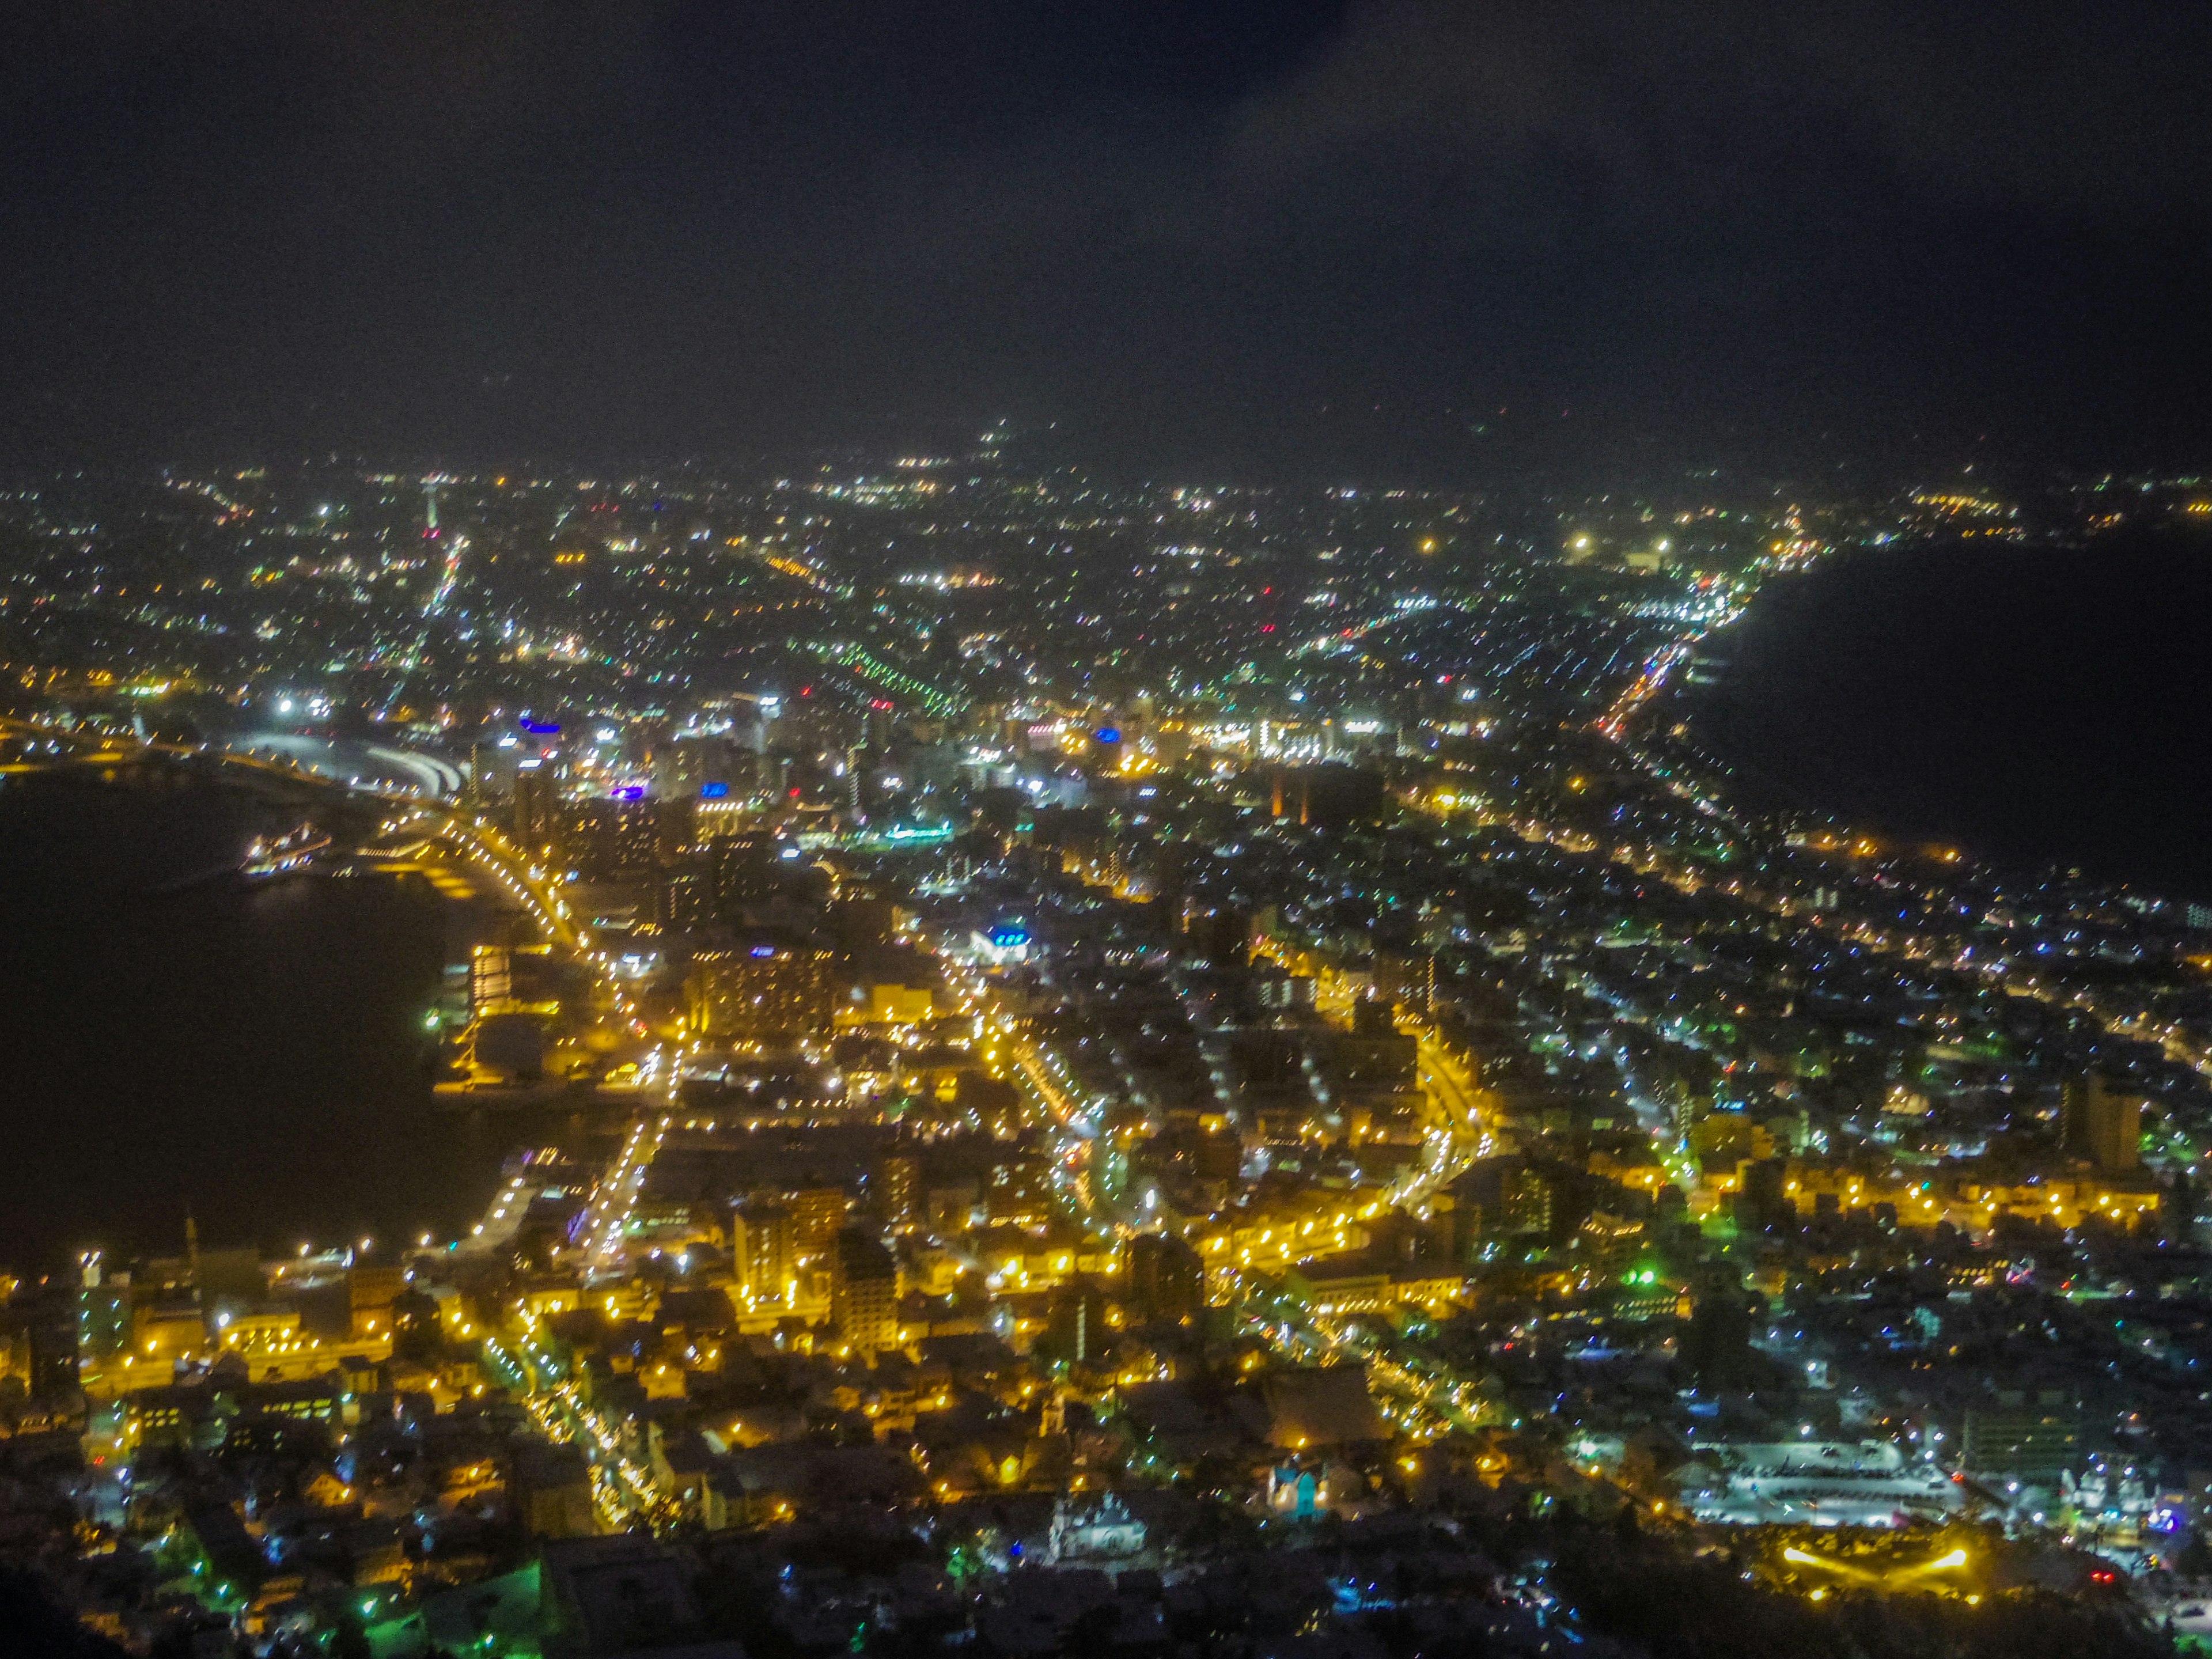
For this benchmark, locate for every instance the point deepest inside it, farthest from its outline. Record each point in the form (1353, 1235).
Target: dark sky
(1294, 234)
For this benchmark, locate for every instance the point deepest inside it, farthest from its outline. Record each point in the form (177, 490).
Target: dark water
(252, 1050)
(2039, 706)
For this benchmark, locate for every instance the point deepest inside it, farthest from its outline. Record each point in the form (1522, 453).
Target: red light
(794, 794)
(1267, 627)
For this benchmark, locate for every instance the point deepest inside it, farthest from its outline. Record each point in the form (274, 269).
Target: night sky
(1425, 239)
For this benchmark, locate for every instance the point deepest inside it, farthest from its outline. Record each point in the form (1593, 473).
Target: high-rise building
(1716, 1344)
(1762, 1199)
(760, 1249)
(2103, 1122)
(768, 992)
(104, 1309)
(1162, 1278)
(684, 899)
(1078, 1321)
(817, 1214)
(898, 1188)
(1502, 1196)
(607, 839)
(742, 870)
(2025, 1439)
(864, 1292)
(536, 802)
(53, 1320)
(1528, 1203)
(703, 767)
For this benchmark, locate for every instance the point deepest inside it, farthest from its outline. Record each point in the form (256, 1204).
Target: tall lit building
(1162, 1278)
(818, 1213)
(864, 1292)
(2026, 1439)
(2103, 1123)
(104, 1309)
(766, 993)
(606, 840)
(537, 801)
(762, 1250)
(742, 870)
(898, 1188)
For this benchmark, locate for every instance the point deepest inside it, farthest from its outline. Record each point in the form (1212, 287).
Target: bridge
(346, 761)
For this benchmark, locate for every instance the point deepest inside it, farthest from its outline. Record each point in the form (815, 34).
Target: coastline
(2035, 706)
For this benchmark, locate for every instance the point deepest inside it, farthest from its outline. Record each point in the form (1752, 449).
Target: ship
(295, 850)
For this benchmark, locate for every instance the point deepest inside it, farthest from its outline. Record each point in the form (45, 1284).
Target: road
(623, 1491)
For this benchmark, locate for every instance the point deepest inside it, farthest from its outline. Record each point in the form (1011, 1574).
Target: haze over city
(1377, 240)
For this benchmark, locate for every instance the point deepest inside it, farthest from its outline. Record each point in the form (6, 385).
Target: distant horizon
(1046, 451)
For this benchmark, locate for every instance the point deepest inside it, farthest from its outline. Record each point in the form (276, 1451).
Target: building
(1082, 1531)
(1360, 1282)
(552, 1486)
(492, 977)
(536, 799)
(761, 1250)
(622, 1595)
(53, 1319)
(1275, 992)
(817, 1214)
(1001, 944)
(2024, 1439)
(607, 839)
(704, 767)
(1502, 1197)
(1162, 1278)
(897, 1005)
(2103, 1122)
(103, 1311)
(1528, 1204)
(769, 992)
(864, 1292)
(898, 1189)
(741, 870)
(370, 1292)
(1077, 1322)
(1328, 1405)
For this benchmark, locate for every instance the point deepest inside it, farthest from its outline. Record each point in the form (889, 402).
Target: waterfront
(2037, 706)
(254, 1050)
